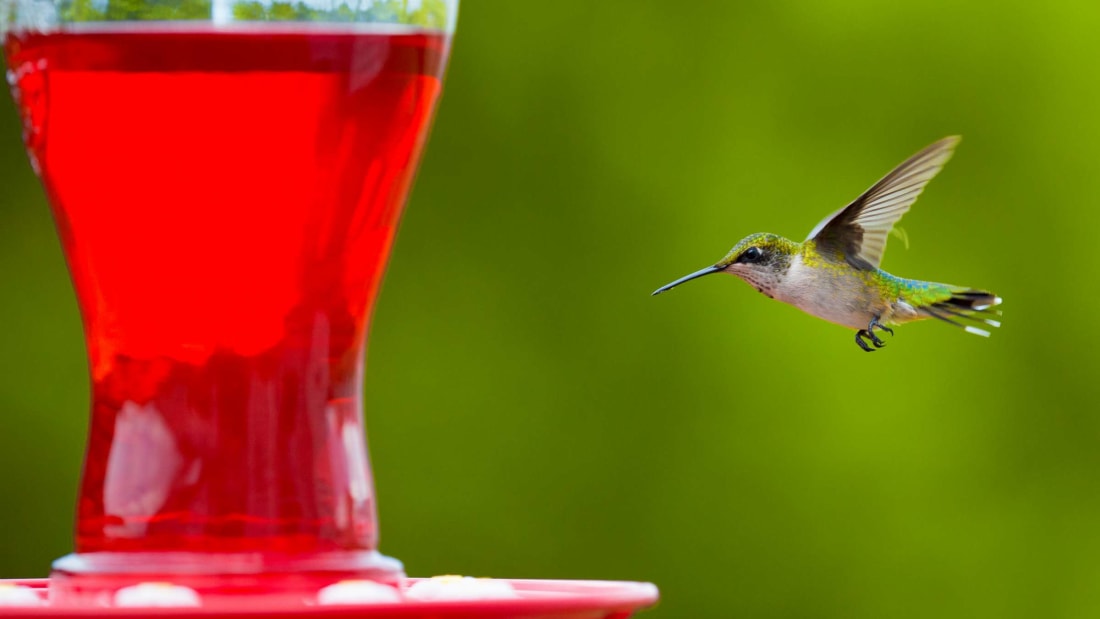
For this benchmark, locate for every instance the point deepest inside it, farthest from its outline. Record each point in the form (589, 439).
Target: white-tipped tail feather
(974, 305)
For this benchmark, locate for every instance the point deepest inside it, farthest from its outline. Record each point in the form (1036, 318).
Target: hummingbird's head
(760, 259)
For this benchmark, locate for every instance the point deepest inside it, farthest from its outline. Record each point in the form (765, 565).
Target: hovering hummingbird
(834, 273)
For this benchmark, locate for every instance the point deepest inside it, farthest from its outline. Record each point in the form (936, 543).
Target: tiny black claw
(876, 340)
(859, 340)
(876, 324)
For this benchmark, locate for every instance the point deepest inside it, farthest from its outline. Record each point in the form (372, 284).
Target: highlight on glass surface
(226, 178)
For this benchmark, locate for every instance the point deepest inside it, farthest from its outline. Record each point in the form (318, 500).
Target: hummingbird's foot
(876, 340)
(875, 323)
(862, 333)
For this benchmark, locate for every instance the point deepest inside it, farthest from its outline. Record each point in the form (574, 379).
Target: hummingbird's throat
(762, 286)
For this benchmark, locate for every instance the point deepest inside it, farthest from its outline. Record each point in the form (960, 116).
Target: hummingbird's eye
(751, 254)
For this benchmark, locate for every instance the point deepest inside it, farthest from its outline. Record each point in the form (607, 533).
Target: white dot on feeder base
(157, 594)
(18, 595)
(358, 592)
(440, 588)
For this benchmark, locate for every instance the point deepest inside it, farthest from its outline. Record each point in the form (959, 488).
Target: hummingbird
(834, 274)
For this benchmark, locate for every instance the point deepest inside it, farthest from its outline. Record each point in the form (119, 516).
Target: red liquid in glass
(226, 201)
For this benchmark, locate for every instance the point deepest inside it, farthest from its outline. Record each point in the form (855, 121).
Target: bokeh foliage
(534, 413)
(428, 13)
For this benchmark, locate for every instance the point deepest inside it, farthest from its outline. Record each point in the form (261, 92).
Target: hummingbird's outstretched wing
(858, 231)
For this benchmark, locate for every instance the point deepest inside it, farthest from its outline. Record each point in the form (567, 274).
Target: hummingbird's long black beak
(699, 273)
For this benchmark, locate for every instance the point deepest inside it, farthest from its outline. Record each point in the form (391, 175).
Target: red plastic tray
(538, 599)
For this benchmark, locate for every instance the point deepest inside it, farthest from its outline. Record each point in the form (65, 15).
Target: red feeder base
(534, 599)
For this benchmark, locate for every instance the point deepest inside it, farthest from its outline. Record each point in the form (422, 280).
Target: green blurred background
(533, 412)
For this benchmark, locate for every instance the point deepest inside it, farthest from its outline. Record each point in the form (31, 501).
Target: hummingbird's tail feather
(967, 304)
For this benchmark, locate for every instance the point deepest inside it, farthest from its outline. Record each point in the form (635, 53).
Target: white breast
(836, 296)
